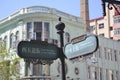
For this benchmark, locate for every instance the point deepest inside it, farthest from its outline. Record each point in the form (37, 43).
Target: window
(46, 30)
(17, 39)
(37, 26)
(111, 37)
(105, 53)
(111, 75)
(67, 37)
(17, 36)
(101, 25)
(109, 51)
(100, 74)
(111, 28)
(117, 75)
(35, 30)
(116, 31)
(38, 35)
(92, 28)
(117, 19)
(29, 30)
(115, 54)
(111, 54)
(107, 74)
(102, 34)
(12, 40)
(89, 72)
(108, 54)
(99, 52)
(5, 40)
(38, 30)
(95, 73)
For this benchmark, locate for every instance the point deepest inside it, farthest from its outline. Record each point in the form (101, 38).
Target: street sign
(80, 46)
(37, 50)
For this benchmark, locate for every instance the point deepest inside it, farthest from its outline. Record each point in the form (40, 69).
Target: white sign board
(86, 45)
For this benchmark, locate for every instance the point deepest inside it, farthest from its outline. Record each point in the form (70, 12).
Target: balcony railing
(41, 9)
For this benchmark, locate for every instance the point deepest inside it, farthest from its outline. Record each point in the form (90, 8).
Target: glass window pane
(29, 30)
(101, 25)
(38, 30)
(37, 26)
(46, 30)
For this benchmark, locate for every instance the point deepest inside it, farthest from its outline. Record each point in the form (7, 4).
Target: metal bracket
(110, 2)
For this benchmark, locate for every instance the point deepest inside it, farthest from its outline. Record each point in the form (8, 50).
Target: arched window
(16, 39)
(67, 37)
(17, 36)
(5, 40)
(12, 40)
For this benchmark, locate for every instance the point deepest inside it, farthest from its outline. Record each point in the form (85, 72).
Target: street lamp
(60, 30)
(110, 2)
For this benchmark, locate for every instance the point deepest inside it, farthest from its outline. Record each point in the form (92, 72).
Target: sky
(8, 7)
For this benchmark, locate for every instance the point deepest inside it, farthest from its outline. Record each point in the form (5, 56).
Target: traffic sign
(37, 50)
(80, 46)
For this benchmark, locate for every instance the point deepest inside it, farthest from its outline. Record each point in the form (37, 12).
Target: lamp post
(60, 30)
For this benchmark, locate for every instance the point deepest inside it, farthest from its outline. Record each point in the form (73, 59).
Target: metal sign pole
(60, 27)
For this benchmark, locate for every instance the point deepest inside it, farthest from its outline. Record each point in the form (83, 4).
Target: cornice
(37, 11)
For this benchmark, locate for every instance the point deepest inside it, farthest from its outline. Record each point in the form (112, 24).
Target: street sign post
(80, 46)
(37, 50)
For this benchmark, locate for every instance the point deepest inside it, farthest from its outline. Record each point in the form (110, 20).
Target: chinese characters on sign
(38, 50)
(86, 46)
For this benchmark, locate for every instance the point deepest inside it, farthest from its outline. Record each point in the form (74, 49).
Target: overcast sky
(8, 7)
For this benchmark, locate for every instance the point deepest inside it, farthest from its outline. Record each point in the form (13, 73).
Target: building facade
(37, 23)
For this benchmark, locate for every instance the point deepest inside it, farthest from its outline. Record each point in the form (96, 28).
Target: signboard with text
(37, 50)
(80, 46)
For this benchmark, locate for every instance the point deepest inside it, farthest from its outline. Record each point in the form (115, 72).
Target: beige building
(117, 25)
(107, 26)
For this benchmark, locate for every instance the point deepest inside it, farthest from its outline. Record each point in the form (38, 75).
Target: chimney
(84, 13)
